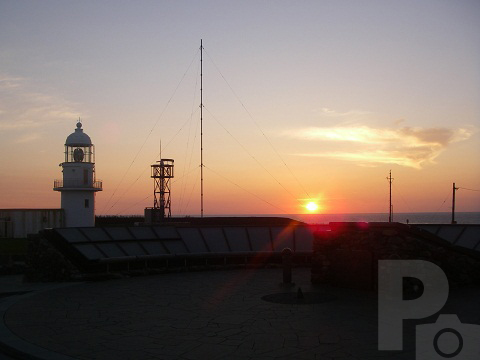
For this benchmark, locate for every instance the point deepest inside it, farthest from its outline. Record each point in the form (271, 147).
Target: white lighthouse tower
(79, 185)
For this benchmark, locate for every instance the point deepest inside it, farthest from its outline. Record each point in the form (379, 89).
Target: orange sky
(301, 103)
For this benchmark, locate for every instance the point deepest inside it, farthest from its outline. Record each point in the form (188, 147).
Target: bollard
(287, 254)
(300, 295)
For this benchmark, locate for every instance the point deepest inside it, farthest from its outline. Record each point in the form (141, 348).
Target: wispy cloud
(345, 114)
(25, 108)
(29, 137)
(406, 146)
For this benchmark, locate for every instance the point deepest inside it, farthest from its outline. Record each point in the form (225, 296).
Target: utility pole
(201, 128)
(453, 203)
(390, 216)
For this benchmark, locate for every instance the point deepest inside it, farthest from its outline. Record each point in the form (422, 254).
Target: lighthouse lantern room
(79, 185)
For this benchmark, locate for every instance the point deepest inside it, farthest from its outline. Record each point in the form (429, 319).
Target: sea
(410, 218)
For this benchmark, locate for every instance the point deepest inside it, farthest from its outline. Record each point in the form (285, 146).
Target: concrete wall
(347, 255)
(18, 223)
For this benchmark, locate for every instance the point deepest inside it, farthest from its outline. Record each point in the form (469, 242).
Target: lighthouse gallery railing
(75, 184)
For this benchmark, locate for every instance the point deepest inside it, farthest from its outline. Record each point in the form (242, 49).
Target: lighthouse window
(87, 204)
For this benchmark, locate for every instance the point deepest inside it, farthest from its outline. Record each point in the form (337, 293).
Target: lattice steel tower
(162, 173)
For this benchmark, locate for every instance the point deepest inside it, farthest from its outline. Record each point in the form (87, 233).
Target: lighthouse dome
(78, 138)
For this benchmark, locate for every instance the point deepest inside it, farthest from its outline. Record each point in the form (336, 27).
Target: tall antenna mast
(390, 216)
(201, 128)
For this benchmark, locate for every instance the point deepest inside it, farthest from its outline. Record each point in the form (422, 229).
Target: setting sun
(311, 206)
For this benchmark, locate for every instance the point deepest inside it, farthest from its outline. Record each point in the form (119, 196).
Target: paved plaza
(200, 315)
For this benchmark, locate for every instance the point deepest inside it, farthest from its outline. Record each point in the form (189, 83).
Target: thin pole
(201, 128)
(390, 216)
(162, 184)
(453, 203)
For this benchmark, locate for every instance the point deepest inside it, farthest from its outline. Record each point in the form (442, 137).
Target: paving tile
(202, 315)
(307, 341)
(205, 351)
(329, 338)
(177, 351)
(235, 319)
(266, 343)
(338, 354)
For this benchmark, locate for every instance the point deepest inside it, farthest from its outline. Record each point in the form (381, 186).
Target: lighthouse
(79, 185)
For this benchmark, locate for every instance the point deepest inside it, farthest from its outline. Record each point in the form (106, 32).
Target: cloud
(351, 115)
(406, 146)
(24, 108)
(29, 137)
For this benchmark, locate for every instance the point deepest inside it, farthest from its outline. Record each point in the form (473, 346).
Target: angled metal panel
(111, 250)
(260, 238)
(143, 232)
(166, 232)
(89, 251)
(215, 240)
(282, 238)
(175, 247)
(72, 235)
(154, 247)
(470, 238)
(449, 232)
(132, 248)
(95, 234)
(118, 233)
(237, 239)
(193, 240)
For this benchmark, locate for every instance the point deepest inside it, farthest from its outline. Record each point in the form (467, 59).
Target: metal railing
(77, 184)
